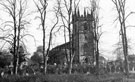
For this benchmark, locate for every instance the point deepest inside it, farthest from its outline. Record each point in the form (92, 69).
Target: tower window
(85, 26)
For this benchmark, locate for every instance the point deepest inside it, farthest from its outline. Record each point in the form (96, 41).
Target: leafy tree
(22, 53)
(5, 58)
(37, 57)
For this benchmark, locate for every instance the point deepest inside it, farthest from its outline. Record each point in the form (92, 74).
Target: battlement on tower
(76, 16)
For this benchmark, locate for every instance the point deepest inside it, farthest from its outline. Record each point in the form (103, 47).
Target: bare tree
(51, 35)
(67, 24)
(66, 11)
(11, 8)
(17, 11)
(96, 30)
(42, 7)
(122, 17)
(119, 49)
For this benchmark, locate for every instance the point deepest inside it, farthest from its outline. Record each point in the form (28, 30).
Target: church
(82, 40)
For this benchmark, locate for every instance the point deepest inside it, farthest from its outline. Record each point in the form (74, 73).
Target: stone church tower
(83, 36)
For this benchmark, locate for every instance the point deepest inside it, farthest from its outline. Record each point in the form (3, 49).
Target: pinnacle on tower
(92, 15)
(74, 15)
(78, 12)
(85, 13)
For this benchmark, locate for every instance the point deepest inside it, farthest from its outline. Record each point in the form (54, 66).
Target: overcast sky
(107, 16)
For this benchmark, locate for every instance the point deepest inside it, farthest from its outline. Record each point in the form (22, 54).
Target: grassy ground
(131, 78)
(65, 78)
